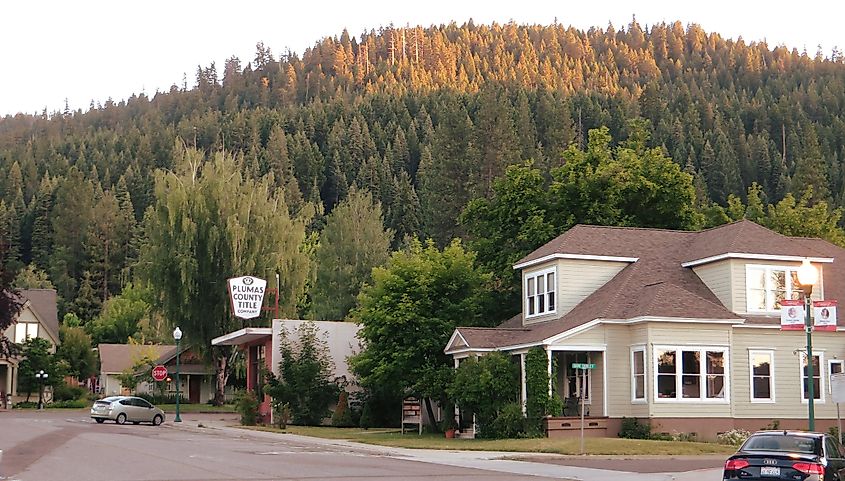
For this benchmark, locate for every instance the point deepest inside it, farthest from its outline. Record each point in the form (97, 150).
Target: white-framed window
(818, 377)
(762, 375)
(540, 292)
(690, 374)
(23, 330)
(834, 366)
(766, 286)
(638, 379)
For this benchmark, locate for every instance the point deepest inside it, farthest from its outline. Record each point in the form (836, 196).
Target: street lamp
(41, 376)
(177, 334)
(808, 275)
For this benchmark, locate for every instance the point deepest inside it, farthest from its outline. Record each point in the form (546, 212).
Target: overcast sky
(88, 50)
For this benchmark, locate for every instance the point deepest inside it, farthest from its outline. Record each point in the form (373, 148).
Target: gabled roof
(115, 358)
(42, 302)
(656, 285)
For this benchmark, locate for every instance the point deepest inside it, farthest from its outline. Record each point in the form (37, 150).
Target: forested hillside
(425, 119)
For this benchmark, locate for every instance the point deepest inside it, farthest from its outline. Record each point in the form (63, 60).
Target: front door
(194, 384)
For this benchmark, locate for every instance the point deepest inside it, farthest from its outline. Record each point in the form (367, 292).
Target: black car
(792, 455)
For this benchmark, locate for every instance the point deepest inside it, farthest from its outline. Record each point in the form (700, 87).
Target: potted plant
(450, 425)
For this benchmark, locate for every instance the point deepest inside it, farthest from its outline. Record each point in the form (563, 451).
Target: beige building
(195, 378)
(683, 328)
(38, 318)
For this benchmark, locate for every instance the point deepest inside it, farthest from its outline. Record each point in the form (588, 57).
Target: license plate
(769, 471)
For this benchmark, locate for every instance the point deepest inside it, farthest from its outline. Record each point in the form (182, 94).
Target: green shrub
(165, 399)
(632, 428)
(71, 403)
(247, 407)
(63, 392)
(366, 421)
(734, 437)
(510, 423)
(26, 405)
(484, 387)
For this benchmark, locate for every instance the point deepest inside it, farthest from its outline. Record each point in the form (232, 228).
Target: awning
(242, 336)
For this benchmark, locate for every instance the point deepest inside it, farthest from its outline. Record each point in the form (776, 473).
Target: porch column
(14, 376)
(549, 355)
(457, 414)
(522, 380)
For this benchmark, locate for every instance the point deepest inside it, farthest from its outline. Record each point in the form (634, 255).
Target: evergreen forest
(422, 120)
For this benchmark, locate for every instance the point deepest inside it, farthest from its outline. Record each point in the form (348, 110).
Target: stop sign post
(159, 373)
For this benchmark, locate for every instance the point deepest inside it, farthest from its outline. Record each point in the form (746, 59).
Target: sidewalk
(552, 466)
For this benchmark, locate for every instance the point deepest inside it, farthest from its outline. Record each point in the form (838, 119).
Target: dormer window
(24, 331)
(540, 291)
(768, 285)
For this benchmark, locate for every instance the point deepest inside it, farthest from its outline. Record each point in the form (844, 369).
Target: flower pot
(450, 433)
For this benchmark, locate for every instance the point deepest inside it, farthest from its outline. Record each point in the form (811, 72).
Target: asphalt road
(67, 445)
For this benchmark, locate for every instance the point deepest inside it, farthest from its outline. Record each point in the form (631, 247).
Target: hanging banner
(247, 296)
(791, 315)
(824, 315)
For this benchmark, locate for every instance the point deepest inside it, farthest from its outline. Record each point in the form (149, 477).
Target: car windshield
(782, 442)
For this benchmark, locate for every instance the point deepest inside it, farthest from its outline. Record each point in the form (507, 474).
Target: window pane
(762, 388)
(20, 333)
(666, 362)
(531, 306)
(639, 362)
(715, 386)
(32, 330)
(715, 362)
(778, 280)
(761, 364)
(691, 364)
(551, 296)
(756, 279)
(550, 282)
(541, 284)
(541, 304)
(530, 286)
(691, 387)
(816, 379)
(836, 368)
(639, 387)
(756, 300)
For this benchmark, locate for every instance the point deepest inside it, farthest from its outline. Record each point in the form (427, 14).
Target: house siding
(717, 277)
(787, 372)
(620, 340)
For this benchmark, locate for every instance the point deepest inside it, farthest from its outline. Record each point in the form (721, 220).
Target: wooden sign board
(411, 413)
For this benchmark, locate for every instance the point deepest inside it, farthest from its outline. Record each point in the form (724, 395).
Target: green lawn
(596, 446)
(197, 408)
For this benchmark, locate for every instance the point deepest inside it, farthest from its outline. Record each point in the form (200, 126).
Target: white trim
(579, 347)
(772, 384)
(801, 359)
(534, 275)
(471, 350)
(634, 399)
(604, 388)
(580, 257)
(724, 349)
(455, 334)
(762, 257)
(248, 333)
(524, 389)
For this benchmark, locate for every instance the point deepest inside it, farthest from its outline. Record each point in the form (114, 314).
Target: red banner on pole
(791, 315)
(824, 315)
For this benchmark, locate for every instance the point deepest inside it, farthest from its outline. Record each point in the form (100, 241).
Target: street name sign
(579, 365)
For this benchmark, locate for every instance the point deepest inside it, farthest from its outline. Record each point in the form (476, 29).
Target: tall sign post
(583, 367)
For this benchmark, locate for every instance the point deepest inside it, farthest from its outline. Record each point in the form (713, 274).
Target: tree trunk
(431, 420)
(223, 363)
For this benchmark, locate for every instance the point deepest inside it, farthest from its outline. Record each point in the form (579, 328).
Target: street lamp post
(807, 277)
(177, 334)
(41, 376)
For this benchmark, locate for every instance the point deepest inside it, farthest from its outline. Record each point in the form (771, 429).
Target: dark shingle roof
(115, 358)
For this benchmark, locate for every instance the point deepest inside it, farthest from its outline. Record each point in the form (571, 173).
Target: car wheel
(157, 420)
(99, 420)
(121, 419)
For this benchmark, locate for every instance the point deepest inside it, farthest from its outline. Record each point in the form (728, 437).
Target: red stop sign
(159, 373)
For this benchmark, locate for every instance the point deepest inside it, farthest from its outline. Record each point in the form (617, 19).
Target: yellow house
(680, 329)
(38, 318)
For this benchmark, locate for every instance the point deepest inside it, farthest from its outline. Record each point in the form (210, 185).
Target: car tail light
(735, 464)
(809, 468)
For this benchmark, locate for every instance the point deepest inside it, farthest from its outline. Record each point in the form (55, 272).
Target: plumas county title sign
(247, 296)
